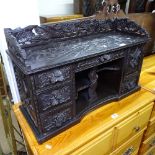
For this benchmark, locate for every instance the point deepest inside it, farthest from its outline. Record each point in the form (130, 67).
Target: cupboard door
(101, 145)
(132, 125)
(130, 147)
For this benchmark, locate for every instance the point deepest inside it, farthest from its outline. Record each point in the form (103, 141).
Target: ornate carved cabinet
(66, 69)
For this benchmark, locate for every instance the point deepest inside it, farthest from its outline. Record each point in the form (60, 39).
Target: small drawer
(150, 129)
(53, 76)
(101, 145)
(52, 98)
(130, 147)
(148, 143)
(56, 118)
(132, 125)
(151, 151)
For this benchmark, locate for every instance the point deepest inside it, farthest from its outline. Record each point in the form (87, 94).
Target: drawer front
(53, 76)
(101, 145)
(82, 65)
(153, 112)
(132, 125)
(148, 143)
(150, 151)
(150, 129)
(131, 147)
(56, 118)
(134, 60)
(52, 98)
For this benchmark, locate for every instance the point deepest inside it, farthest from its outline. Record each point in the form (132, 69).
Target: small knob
(129, 151)
(137, 128)
(105, 57)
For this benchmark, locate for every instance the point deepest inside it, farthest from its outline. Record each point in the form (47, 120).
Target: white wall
(55, 7)
(15, 13)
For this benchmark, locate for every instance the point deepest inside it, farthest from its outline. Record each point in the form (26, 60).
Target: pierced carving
(54, 97)
(127, 26)
(135, 55)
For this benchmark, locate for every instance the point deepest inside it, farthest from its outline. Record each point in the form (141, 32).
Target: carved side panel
(130, 82)
(53, 76)
(56, 120)
(52, 98)
(24, 93)
(134, 60)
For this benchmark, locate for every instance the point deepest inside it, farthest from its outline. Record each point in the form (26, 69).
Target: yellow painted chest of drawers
(118, 128)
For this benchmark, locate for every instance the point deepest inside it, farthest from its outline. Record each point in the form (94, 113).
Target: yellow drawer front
(101, 145)
(153, 112)
(131, 147)
(132, 125)
(148, 143)
(151, 128)
(150, 151)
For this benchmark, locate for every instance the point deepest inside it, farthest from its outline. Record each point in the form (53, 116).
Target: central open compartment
(98, 84)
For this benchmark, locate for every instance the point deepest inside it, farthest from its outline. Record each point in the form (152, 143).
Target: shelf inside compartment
(104, 85)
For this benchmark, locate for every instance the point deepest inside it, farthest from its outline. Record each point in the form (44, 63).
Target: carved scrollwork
(130, 82)
(39, 35)
(57, 120)
(55, 97)
(134, 58)
(52, 77)
(127, 26)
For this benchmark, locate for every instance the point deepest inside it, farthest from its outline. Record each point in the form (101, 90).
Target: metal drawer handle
(137, 128)
(129, 151)
(152, 142)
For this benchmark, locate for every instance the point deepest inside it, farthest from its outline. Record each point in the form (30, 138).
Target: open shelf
(97, 84)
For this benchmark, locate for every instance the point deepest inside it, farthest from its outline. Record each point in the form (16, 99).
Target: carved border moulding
(67, 69)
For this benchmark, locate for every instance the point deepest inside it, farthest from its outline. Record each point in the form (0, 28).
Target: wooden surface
(147, 78)
(147, 21)
(93, 124)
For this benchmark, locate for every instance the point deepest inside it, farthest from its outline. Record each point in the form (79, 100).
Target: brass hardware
(137, 128)
(129, 151)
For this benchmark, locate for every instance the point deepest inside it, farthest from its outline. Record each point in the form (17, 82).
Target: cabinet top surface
(70, 51)
(48, 46)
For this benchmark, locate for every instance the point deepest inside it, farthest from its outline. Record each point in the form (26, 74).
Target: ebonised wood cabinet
(66, 69)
